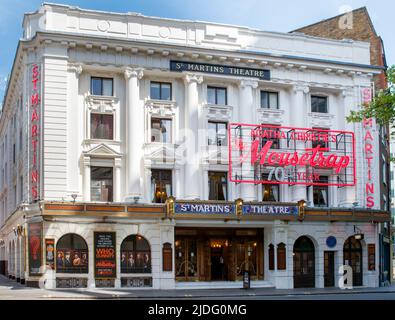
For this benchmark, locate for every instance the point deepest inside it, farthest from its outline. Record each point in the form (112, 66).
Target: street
(10, 290)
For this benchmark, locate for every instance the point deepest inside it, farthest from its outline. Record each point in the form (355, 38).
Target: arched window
(135, 255)
(281, 257)
(271, 257)
(71, 254)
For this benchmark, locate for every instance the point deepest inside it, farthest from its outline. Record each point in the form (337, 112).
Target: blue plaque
(331, 241)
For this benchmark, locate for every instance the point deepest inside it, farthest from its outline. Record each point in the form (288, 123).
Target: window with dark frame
(319, 104)
(161, 130)
(217, 133)
(275, 137)
(102, 184)
(269, 100)
(135, 255)
(71, 254)
(102, 126)
(320, 193)
(102, 86)
(270, 192)
(218, 185)
(160, 90)
(161, 185)
(321, 138)
(217, 95)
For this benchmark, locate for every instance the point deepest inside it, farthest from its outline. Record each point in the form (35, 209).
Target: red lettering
(370, 202)
(34, 116)
(35, 99)
(34, 192)
(34, 130)
(369, 188)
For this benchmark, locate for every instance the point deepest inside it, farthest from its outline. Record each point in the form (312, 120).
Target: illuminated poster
(105, 258)
(50, 253)
(34, 248)
(268, 154)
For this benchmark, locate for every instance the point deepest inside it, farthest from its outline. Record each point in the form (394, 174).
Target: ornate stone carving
(133, 72)
(77, 68)
(192, 77)
(248, 83)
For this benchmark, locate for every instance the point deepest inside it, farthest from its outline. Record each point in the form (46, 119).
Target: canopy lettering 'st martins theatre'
(149, 152)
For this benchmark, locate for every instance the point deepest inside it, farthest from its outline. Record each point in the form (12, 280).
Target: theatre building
(156, 153)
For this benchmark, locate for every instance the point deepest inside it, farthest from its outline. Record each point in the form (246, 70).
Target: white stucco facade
(72, 45)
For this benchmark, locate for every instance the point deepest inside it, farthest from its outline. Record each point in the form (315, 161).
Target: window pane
(96, 86)
(212, 133)
(101, 126)
(101, 184)
(161, 130)
(218, 186)
(211, 95)
(166, 91)
(161, 183)
(319, 104)
(273, 100)
(155, 90)
(221, 134)
(264, 99)
(107, 87)
(221, 96)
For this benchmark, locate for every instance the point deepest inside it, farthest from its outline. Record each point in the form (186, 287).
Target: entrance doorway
(329, 268)
(218, 254)
(304, 263)
(218, 264)
(352, 255)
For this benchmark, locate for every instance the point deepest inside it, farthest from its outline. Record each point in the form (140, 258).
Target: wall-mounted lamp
(74, 196)
(358, 235)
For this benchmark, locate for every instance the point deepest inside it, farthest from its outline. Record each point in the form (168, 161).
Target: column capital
(118, 162)
(75, 67)
(193, 77)
(301, 88)
(86, 161)
(133, 72)
(248, 83)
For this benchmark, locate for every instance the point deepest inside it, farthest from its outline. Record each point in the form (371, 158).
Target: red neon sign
(35, 101)
(267, 154)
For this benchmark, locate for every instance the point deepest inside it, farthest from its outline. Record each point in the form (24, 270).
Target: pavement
(11, 290)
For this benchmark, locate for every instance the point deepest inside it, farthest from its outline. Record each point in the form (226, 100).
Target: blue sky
(278, 15)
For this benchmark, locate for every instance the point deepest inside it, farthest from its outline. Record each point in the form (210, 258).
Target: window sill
(160, 102)
(321, 115)
(102, 98)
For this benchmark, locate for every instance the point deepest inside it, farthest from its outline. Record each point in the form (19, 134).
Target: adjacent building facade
(149, 152)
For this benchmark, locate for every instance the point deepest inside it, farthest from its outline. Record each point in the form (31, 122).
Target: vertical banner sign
(35, 131)
(105, 259)
(35, 253)
(50, 253)
(368, 126)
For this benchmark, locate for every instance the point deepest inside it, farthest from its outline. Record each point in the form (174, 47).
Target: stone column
(117, 179)
(298, 192)
(177, 182)
(87, 178)
(135, 132)
(347, 195)
(246, 115)
(192, 163)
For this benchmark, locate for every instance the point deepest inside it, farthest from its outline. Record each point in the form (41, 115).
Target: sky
(278, 15)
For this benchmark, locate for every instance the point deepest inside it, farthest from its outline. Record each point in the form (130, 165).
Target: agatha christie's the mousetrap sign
(266, 154)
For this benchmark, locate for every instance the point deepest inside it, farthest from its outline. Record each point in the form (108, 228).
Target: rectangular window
(101, 184)
(21, 189)
(102, 126)
(269, 100)
(20, 140)
(161, 130)
(161, 185)
(102, 86)
(160, 91)
(13, 153)
(217, 133)
(270, 192)
(321, 138)
(273, 134)
(216, 95)
(319, 104)
(218, 185)
(320, 194)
